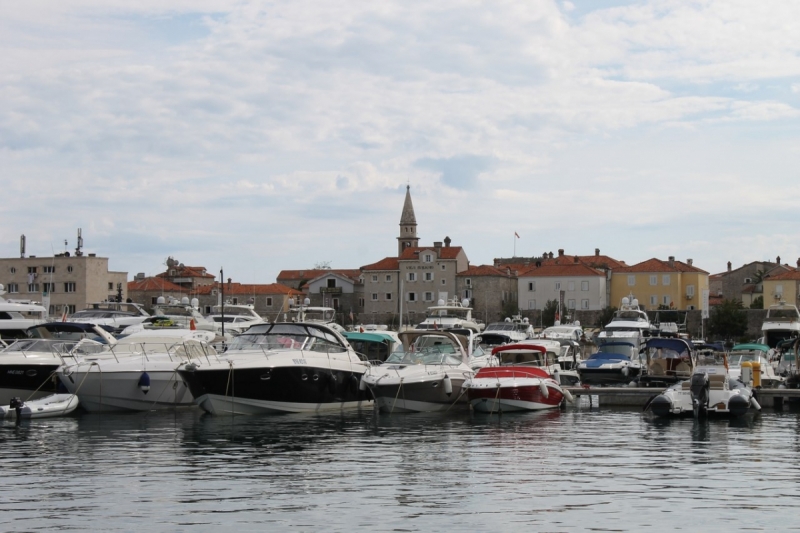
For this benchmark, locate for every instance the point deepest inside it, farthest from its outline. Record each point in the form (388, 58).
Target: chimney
(672, 261)
(689, 262)
(229, 283)
(447, 242)
(576, 259)
(798, 263)
(560, 252)
(729, 266)
(596, 252)
(550, 255)
(438, 246)
(778, 260)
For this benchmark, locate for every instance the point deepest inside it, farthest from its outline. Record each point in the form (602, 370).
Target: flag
(64, 314)
(192, 325)
(516, 235)
(352, 319)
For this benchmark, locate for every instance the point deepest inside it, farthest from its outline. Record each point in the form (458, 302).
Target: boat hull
(27, 381)
(419, 397)
(608, 376)
(48, 407)
(111, 391)
(264, 390)
(492, 398)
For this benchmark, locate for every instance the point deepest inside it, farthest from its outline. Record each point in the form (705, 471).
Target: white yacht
(235, 317)
(16, 316)
(426, 376)
(138, 372)
(782, 322)
(629, 322)
(449, 315)
(181, 314)
(117, 314)
(514, 329)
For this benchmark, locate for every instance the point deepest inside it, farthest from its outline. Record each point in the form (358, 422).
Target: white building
(583, 287)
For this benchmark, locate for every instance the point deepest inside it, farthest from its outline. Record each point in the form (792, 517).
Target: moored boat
(614, 363)
(523, 381)
(668, 360)
(47, 407)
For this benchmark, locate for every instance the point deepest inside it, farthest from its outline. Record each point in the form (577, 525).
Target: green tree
(758, 303)
(606, 315)
(549, 313)
(728, 320)
(510, 309)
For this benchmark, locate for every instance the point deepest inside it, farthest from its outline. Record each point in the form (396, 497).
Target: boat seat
(717, 381)
(683, 368)
(686, 385)
(656, 369)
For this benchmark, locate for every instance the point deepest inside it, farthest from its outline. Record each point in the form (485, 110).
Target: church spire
(408, 225)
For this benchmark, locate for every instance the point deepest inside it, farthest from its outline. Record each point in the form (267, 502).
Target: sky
(257, 136)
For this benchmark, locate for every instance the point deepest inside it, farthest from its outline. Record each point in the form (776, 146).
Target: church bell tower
(408, 225)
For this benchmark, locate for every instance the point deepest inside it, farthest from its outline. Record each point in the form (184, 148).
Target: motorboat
(234, 318)
(138, 372)
(16, 316)
(450, 315)
(116, 314)
(373, 346)
(426, 376)
(782, 322)
(28, 366)
(305, 312)
(615, 362)
(667, 361)
(572, 332)
(47, 407)
(710, 391)
(756, 356)
(285, 367)
(628, 323)
(177, 314)
(513, 329)
(477, 355)
(523, 381)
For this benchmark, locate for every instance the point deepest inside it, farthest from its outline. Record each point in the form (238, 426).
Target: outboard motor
(699, 388)
(17, 404)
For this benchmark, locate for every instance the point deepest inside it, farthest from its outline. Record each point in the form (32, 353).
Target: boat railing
(37, 347)
(174, 351)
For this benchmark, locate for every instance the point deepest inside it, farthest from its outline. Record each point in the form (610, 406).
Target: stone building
(188, 277)
(270, 300)
(63, 281)
(580, 286)
(746, 282)
(337, 290)
(145, 290)
(492, 292)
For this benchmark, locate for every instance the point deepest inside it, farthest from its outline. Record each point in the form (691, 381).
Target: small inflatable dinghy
(49, 406)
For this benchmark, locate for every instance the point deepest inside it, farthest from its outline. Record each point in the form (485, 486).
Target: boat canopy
(368, 337)
(750, 346)
(672, 344)
(519, 348)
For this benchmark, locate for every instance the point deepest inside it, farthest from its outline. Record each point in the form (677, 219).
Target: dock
(639, 396)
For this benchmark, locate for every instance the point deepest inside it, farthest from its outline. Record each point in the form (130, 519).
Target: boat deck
(639, 396)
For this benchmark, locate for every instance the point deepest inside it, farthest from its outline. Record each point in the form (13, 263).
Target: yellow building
(671, 283)
(782, 287)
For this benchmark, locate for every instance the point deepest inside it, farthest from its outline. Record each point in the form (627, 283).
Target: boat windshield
(710, 358)
(279, 337)
(448, 312)
(740, 356)
(528, 358)
(630, 316)
(616, 348)
(501, 326)
(666, 353)
(175, 310)
(11, 315)
(611, 356)
(784, 313)
(428, 350)
(49, 346)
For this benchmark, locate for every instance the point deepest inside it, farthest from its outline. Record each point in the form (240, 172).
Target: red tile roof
(297, 275)
(789, 275)
(445, 252)
(248, 289)
(186, 272)
(387, 263)
(657, 265)
(555, 270)
(486, 270)
(154, 284)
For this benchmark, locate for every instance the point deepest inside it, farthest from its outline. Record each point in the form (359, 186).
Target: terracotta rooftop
(789, 275)
(555, 270)
(243, 289)
(487, 270)
(657, 265)
(388, 263)
(186, 272)
(445, 252)
(311, 273)
(154, 284)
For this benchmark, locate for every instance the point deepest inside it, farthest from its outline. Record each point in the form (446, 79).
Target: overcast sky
(261, 136)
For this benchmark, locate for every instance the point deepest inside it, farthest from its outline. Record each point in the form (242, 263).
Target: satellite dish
(577, 322)
(195, 302)
(307, 301)
(185, 300)
(161, 300)
(440, 302)
(465, 302)
(625, 301)
(635, 302)
(508, 319)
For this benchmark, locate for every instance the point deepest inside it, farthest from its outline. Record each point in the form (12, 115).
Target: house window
(208, 309)
(51, 287)
(531, 286)
(428, 296)
(584, 304)
(68, 286)
(31, 270)
(388, 296)
(361, 302)
(571, 286)
(427, 258)
(584, 285)
(388, 278)
(631, 280)
(690, 291)
(374, 296)
(444, 282)
(412, 276)
(110, 286)
(570, 304)
(33, 287)
(653, 280)
(444, 267)
(331, 283)
(336, 303)
(665, 279)
(653, 300)
(12, 288)
(531, 304)
(665, 300)
(154, 300)
(235, 301)
(558, 285)
(412, 297)
(13, 270)
(468, 293)
(69, 268)
(269, 301)
(469, 282)
(48, 269)
(375, 278)
(429, 276)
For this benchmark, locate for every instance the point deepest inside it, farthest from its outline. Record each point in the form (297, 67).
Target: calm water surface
(576, 470)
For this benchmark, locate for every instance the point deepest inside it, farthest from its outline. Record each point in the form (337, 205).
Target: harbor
(640, 396)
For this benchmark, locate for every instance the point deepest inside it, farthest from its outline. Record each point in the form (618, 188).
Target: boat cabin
(668, 360)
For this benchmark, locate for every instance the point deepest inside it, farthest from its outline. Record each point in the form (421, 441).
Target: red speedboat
(523, 382)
